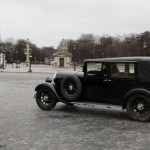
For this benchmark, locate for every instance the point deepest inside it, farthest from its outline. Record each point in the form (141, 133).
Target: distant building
(62, 58)
(2, 61)
(49, 61)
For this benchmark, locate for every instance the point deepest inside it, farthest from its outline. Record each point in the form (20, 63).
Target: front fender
(135, 91)
(51, 87)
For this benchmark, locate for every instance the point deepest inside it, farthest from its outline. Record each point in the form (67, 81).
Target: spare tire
(71, 88)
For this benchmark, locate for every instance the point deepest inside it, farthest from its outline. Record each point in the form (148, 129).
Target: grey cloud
(46, 22)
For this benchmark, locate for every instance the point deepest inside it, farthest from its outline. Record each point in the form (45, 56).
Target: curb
(27, 72)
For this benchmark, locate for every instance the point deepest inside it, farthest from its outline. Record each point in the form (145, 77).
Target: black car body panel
(123, 81)
(62, 74)
(106, 89)
(48, 86)
(52, 88)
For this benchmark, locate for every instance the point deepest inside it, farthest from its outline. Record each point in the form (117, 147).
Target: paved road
(24, 126)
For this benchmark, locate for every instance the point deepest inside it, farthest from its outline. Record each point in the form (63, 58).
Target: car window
(98, 69)
(94, 67)
(122, 69)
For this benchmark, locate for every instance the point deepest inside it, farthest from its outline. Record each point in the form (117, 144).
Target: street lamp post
(27, 52)
(144, 48)
(74, 48)
(30, 63)
(143, 42)
(16, 58)
(4, 59)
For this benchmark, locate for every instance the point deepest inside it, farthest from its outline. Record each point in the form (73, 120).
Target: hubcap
(46, 98)
(70, 87)
(140, 106)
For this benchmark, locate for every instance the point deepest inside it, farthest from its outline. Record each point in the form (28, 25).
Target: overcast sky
(46, 22)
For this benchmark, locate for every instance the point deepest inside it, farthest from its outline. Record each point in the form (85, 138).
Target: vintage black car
(123, 81)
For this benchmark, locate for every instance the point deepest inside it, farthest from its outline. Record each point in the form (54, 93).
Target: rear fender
(52, 88)
(132, 92)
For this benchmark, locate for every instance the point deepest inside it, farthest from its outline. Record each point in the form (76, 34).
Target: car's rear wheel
(45, 99)
(71, 88)
(138, 107)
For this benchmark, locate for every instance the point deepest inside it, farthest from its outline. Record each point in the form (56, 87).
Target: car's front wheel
(45, 99)
(138, 107)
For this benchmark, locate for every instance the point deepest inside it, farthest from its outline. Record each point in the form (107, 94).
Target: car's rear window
(122, 69)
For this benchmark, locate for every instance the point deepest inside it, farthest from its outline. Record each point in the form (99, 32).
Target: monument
(62, 58)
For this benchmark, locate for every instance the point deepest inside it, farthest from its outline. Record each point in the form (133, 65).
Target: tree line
(90, 46)
(16, 53)
(85, 47)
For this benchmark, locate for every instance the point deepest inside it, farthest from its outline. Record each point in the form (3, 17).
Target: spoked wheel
(45, 99)
(138, 107)
(71, 88)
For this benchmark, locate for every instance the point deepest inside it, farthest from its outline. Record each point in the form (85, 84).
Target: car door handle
(105, 80)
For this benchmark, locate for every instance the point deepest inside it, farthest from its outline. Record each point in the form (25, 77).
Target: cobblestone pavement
(24, 126)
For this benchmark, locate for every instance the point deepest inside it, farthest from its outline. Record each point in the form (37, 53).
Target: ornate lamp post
(74, 48)
(16, 58)
(30, 57)
(27, 52)
(3, 52)
(143, 42)
(30, 63)
(144, 47)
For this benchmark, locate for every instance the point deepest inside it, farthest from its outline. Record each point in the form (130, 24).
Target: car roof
(120, 59)
(143, 66)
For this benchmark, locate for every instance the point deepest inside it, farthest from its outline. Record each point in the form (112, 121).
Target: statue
(63, 46)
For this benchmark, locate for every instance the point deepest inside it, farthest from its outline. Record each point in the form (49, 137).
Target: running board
(93, 104)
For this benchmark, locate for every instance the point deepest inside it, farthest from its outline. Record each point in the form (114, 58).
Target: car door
(96, 80)
(122, 79)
